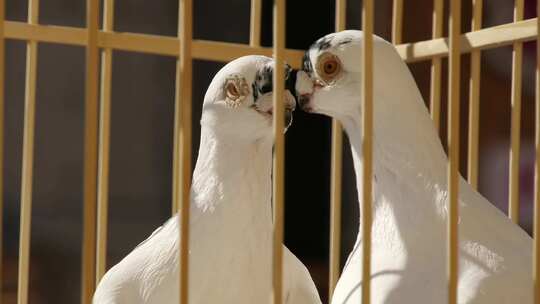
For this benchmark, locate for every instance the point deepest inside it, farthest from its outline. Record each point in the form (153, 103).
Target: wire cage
(99, 44)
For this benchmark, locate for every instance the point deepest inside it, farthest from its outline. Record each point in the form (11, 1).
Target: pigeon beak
(304, 90)
(289, 104)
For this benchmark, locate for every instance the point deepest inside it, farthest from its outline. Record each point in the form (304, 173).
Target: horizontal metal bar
(45, 33)
(487, 38)
(224, 51)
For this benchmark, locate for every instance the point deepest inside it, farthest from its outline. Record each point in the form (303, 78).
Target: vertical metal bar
(474, 101)
(453, 147)
(2, 87)
(255, 23)
(279, 149)
(517, 55)
(176, 143)
(28, 158)
(397, 22)
(183, 119)
(183, 92)
(367, 147)
(104, 145)
(336, 177)
(177, 125)
(176, 139)
(90, 151)
(436, 63)
(536, 234)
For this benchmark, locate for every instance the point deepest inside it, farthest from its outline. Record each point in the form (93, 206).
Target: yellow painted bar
(367, 147)
(255, 23)
(397, 22)
(517, 63)
(536, 233)
(453, 148)
(184, 105)
(336, 177)
(27, 159)
(223, 51)
(90, 151)
(279, 150)
(142, 43)
(436, 65)
(474, 101)
(487, 38)
(177, 124)
(2, 122)
(104, 145)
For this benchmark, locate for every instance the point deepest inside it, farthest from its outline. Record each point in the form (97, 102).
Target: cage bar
(367, 147)
(90, 151)
(28, 158)
(176, 139)
(336, 176)
(517, 62)
(183, 138)
(487, 38)
(183, 119)
(397, 22)
(182, 141)
(436, 65)
(2, 104)
(453, 148)
(474, 101)
(104, 145)
(279, 149)
(536, 227)
(255, 24)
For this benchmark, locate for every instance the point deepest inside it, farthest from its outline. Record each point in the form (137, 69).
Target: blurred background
(142, 125)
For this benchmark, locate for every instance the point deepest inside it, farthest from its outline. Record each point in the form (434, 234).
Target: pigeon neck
(399, 161)
(232, 176)
(231, 219)
(352, 128)
(405, 141)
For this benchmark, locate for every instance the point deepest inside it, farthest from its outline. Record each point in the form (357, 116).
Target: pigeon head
(331, 76)
(239, 98)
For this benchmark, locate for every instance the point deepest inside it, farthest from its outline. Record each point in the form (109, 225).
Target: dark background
(142, 124)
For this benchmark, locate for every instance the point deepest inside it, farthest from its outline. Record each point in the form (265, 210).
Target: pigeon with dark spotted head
(410, 196)
(231, 218)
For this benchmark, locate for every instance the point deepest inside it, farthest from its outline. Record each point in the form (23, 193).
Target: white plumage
(410, 189)
(231, 222)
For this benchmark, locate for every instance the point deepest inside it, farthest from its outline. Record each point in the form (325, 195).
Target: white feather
(410, 195)
(231, 222)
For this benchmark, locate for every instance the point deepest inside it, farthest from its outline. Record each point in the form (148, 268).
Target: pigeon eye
(236, 90)
(328, 67)
(232, 91)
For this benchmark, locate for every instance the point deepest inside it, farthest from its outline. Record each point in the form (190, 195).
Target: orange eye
(236, 90)
(328, 67)
(232, 90)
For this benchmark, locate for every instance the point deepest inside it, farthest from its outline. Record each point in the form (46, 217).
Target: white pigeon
(410, 198)
(231, 216)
